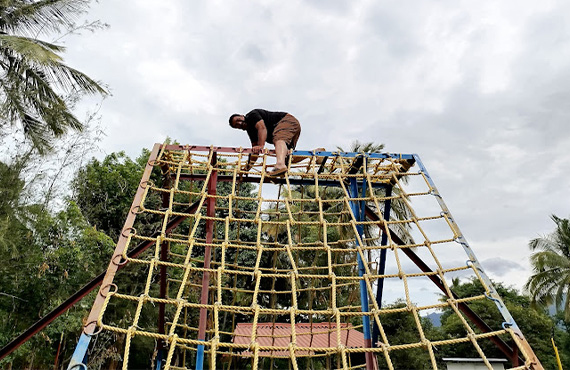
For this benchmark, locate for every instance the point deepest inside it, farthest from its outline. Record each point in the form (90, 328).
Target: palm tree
(359, 147)
(399, 209)
(33, 77)
(550, 282)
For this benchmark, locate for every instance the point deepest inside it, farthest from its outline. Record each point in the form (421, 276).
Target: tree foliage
(45, 258)
(550, 282)
(400, 328)
(34, 78)
(104, 190)
(536, 325)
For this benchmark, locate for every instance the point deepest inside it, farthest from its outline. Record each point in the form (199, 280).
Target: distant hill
(435, 318)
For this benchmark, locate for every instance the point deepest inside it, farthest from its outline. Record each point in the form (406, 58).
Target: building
(458, 363)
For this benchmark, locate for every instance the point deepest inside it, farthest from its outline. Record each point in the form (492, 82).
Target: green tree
(45, 258)
(398, 209)
(535, 324)
(401, 328)
(34, 77)
(104, 190)
(550, 282)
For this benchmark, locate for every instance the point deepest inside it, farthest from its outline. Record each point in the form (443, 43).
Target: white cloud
(480, 92)
(175, 88)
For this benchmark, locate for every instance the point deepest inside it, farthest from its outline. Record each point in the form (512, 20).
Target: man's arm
(261, 136)
(257, 147)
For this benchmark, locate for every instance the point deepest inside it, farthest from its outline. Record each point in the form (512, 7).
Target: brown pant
(288, 130)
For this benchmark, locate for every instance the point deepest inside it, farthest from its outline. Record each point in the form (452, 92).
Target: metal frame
(358, 210)
(361, 211)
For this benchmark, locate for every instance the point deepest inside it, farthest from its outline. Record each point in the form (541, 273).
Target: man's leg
(285, 136)
(281, 152)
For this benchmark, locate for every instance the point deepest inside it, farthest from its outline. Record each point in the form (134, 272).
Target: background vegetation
(60, 214)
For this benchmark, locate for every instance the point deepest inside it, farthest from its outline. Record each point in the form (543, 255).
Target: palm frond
(34, 50)
(15, 109)
(33, 76)
(40, 17)
(550, 282)
(369, 147)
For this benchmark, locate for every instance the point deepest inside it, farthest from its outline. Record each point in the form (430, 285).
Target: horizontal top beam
(306, 153)
(267, 179)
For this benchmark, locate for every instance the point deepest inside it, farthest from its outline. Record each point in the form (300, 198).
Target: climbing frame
(240, 270)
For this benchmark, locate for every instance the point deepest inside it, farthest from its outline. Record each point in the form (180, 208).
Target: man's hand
(246, 167)
(257, 149)
(250, 161)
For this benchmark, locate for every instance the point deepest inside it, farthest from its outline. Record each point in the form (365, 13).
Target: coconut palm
(550, 281)
(399, 209)
(359, 147)
(33, 77)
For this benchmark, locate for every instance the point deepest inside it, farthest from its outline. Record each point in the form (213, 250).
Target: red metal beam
(210, 212)
(167, 183)
(221, 149)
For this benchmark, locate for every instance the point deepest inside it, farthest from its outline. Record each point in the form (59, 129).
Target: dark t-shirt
(269, 118)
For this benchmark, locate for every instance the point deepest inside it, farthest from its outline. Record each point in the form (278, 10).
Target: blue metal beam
(79, 358)
(358, 209)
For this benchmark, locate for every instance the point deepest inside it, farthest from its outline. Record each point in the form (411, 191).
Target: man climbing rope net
(278, 128)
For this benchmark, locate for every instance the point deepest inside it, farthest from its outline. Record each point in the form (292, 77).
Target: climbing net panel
(223, 266)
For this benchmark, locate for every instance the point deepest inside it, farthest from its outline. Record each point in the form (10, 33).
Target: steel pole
(358, 214)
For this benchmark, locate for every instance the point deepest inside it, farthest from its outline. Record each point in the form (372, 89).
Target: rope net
(246, 271)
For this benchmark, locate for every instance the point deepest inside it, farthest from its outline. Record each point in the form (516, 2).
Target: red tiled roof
(321, 335)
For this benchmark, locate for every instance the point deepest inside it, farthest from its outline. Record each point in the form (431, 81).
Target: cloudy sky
(479, 89)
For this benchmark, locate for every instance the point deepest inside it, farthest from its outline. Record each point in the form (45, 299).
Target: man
(278, 128)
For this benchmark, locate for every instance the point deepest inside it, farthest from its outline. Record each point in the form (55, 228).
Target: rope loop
(458, 240)
(109, 292)
(121, 261)
(132, 231)
(98, 329)
(80, 365)
(434, 193)
(146, 184)
(137, 210)
(507, 325)
(491, 298)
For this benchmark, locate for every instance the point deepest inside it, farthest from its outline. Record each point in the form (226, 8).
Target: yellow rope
(289, 255)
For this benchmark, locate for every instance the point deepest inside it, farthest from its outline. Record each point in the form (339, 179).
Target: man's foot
(277, 172)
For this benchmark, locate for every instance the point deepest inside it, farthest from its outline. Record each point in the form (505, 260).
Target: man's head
(238, 121)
